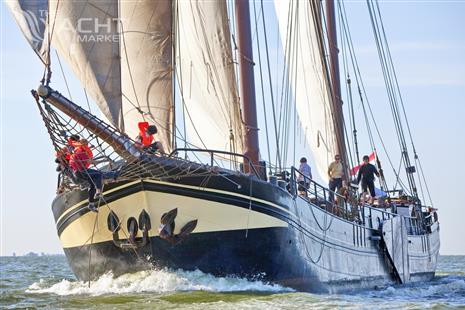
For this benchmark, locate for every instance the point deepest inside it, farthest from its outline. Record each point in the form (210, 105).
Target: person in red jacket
(80, 161)
(64, 154)
(145, 138)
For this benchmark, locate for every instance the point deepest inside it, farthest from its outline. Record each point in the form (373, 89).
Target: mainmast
(247, 91)
(335, 83)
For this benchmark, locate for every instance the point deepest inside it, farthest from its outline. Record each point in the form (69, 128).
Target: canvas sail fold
(206, 76)
(85, 34)
(146, 66)
(310, 86)
(31, 17)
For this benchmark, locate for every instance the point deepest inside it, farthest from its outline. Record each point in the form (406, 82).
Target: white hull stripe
(174, 185)
(239, 201)
(212, 216)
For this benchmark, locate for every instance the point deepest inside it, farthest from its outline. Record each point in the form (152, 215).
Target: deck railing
(339, 205)
(212, 154)
(320, 195)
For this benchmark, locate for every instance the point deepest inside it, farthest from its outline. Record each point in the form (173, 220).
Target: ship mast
(335, 83)
(247, 91)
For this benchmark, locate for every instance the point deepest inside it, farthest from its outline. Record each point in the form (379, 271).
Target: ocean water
(47, 282)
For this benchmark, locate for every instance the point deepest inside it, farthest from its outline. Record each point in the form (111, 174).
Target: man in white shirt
(335, 173)
(304, 177)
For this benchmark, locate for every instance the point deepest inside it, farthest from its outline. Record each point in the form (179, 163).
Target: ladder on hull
(395, 247)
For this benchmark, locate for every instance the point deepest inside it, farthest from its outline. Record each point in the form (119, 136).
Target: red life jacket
(144, 138)
(63, 155)
(81, 158)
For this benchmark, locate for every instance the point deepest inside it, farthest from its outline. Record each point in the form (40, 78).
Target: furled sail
(206, 76)
(85, 34)
(146, 66)
(31, 17)
(301, 39)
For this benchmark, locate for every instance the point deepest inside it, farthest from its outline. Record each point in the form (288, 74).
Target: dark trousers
(94, 178)
(334, 185)
(370, 185)
(303, 186)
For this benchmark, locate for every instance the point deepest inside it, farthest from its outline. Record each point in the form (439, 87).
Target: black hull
(266, 235)
(266, 255)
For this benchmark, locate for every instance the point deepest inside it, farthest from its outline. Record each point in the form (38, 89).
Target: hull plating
(266, 235)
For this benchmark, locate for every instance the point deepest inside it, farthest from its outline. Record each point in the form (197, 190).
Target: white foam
(440, 289)
(158, 281)
(445, 289)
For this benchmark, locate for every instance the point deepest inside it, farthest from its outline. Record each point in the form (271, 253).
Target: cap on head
(152, 129)
(303, 160)
(366, 158)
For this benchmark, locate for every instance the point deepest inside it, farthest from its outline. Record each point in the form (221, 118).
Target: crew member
(304, 177)
(80, 161)
(63, 155)
(335, 174)
(366, 174)
(145, 138)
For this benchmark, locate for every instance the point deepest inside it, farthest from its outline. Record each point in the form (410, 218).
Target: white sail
(206, 76)
(311, 90)
(31, 17)
(146, 66)
(85, 34)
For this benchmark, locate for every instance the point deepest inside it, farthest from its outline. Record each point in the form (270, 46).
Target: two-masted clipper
(209, 204)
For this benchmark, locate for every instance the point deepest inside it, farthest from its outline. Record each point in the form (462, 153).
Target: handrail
(212, 152)
(317, 190)
(320, 192)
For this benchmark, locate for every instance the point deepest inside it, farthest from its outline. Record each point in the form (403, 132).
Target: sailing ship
(211, 202)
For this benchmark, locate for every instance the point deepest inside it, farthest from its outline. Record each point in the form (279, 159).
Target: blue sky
(427, 43)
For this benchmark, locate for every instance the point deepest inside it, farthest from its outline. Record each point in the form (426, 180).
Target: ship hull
(252, 229)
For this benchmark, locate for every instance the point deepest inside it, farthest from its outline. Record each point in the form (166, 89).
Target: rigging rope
(361, 88)
(388, 69)
(261, 84)
(60, 129)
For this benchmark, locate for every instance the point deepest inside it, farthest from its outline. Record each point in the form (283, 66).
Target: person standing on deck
(335, 173)
(366, 174)
(304, 177)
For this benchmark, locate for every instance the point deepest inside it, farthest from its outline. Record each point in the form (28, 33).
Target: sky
(427, 44)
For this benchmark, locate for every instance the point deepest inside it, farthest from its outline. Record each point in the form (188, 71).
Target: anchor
(166, 229)
(145, 225)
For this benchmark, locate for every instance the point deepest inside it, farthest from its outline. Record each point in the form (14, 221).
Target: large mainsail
(299, 29)
(146, 66)
(206, 76)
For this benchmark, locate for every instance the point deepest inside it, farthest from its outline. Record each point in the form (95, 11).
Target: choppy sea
(47, 282)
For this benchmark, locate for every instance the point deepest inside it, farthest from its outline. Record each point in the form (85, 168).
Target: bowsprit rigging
(220, 212)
